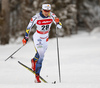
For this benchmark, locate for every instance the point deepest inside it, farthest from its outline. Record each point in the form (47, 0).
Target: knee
(40, 61)
(36, 56)
(41, 56)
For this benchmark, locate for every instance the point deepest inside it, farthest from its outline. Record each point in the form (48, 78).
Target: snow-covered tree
(74, 15)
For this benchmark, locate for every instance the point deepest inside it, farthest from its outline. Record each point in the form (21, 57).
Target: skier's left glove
(25, 39)
(59, 25)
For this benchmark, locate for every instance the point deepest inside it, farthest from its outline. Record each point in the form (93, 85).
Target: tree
(4, 31)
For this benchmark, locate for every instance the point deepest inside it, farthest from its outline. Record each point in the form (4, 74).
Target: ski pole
(58, 56)
(14, 53)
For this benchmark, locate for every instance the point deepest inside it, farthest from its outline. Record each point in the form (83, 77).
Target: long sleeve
(53, 16)
(59, 25)
(30, 25)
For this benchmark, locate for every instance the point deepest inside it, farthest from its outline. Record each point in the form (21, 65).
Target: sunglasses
(46, 10)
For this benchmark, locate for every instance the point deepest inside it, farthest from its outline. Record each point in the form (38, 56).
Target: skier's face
(45, 12)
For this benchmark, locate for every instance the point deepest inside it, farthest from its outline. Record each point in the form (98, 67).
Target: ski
(28, 68)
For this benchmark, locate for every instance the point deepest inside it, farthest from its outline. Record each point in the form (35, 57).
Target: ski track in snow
(79, 60)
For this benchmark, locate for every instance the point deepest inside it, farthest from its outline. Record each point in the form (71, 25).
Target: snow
(96, 32)
(79, 60)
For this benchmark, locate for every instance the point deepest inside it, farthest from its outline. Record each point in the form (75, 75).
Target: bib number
(45, 27)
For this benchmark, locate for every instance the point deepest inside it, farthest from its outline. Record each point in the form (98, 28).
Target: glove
(25, 39)
(59, 25)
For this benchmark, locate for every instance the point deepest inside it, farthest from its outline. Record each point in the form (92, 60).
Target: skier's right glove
(25, 39)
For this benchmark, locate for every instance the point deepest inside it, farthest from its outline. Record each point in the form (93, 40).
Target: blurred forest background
(74, 14)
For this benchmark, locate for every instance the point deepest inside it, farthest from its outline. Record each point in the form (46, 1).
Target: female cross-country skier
(43, 21)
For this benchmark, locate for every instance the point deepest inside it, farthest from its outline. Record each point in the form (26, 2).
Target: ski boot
(37, 79)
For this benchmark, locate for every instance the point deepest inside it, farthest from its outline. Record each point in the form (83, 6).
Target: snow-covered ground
(79, 59)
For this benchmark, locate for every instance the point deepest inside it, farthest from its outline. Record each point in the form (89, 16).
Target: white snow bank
(79, 59)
